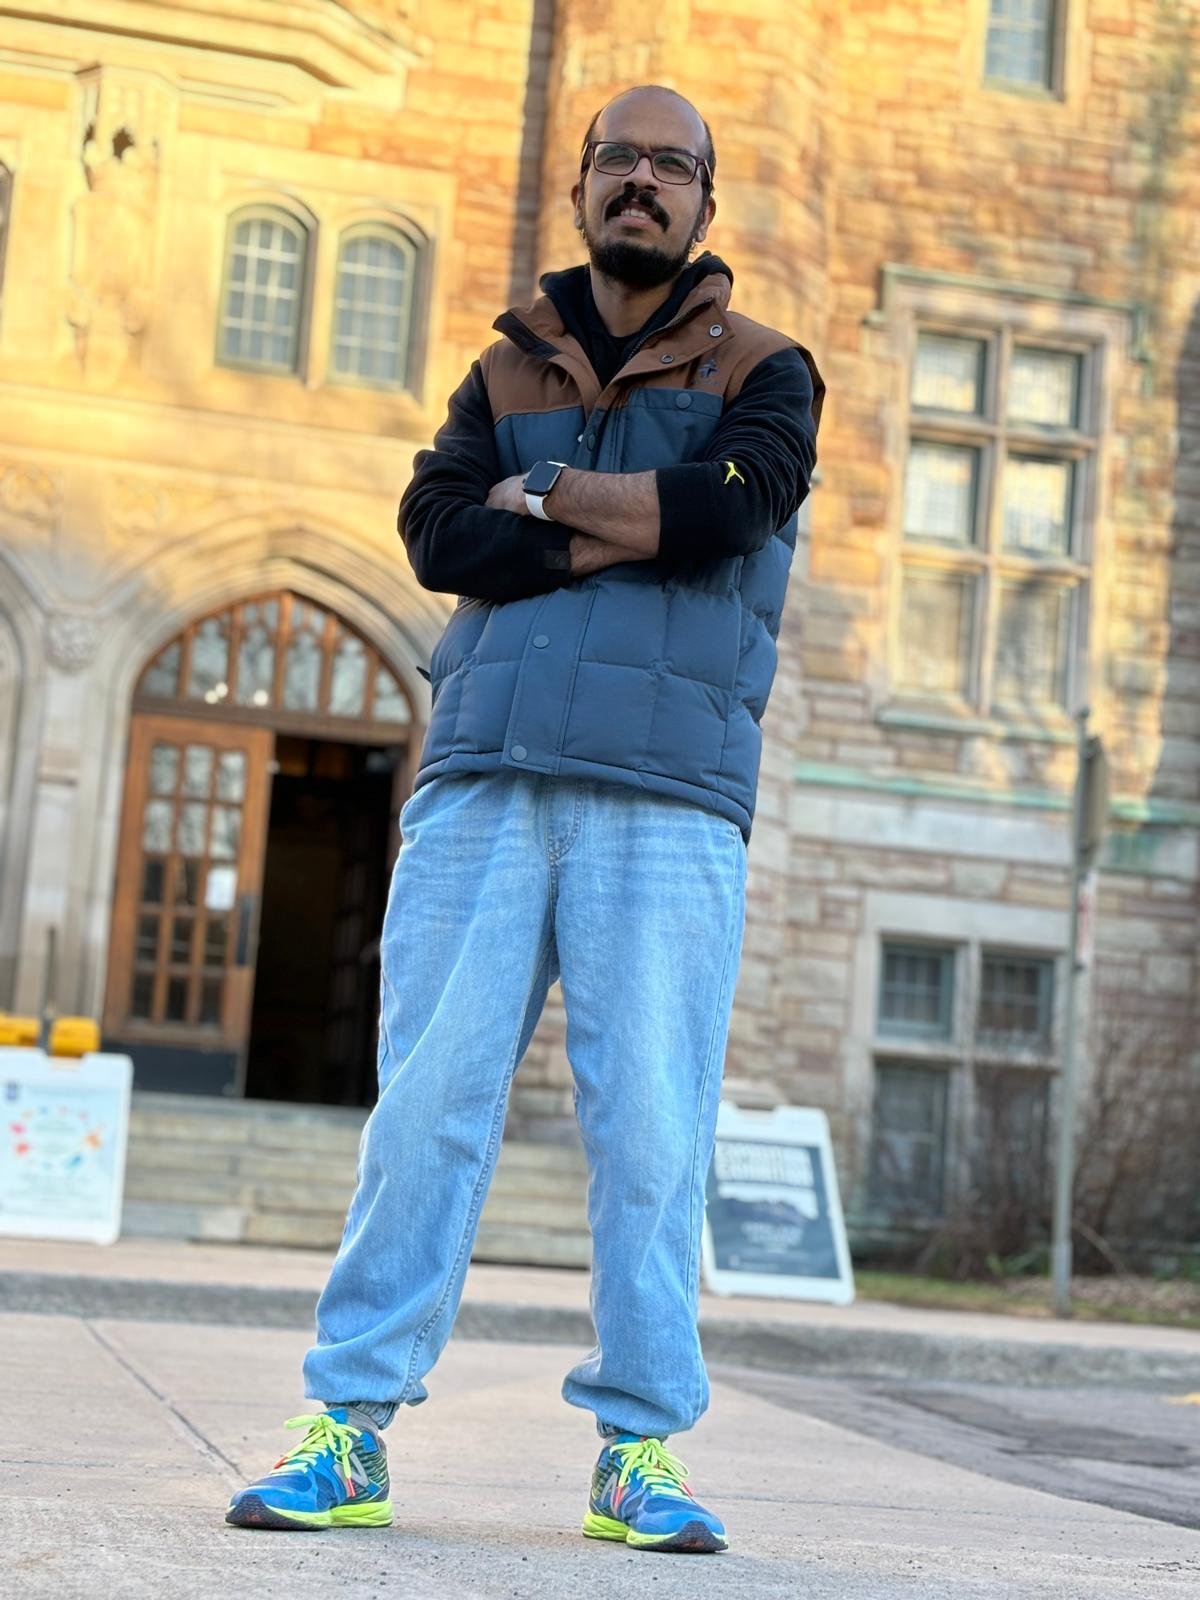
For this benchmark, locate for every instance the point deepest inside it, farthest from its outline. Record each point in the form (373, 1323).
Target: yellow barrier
(22, 1031)
(74, 1036)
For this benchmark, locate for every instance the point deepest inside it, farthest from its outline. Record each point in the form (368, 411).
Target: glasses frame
(701, 166)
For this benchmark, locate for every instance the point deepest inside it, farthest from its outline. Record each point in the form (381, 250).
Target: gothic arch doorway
(270, 751)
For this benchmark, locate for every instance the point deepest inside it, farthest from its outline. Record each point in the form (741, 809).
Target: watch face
(541, 477)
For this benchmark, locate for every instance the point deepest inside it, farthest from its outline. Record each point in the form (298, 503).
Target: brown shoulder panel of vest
(525, 384)
(753, 342)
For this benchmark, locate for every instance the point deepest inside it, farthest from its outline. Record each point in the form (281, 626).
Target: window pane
(176, 999)
(256, 653)
(208, 679)
(948, 375)
(187, 882)
(349, 679)
(916, 993)
(231, 775)
(141, 1003)
(152, 877)
(940, 492)
(1010, 1167)
(156, 826)
(908, 1139)
(214, 944)
(371, 309)
(181, 941)
(1031, 647)
(262, 328)
(302, 671)
(935, 632)
(145, 948)
(164, 768)
(226, 825)
(189, 833)
(197, 770)
(1015, 999)
(210, 1000)
(1019, 41)
(1037, 505)
(390, 703)
(161, 677)
(1043, 388)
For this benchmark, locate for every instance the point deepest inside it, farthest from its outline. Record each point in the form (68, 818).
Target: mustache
(644, 202)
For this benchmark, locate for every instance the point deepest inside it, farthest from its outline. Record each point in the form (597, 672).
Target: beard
(638, 266)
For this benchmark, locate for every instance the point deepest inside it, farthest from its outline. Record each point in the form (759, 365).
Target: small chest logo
(709, 369)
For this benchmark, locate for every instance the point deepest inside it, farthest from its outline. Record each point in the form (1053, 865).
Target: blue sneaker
(336, 1477)
(639, 1496)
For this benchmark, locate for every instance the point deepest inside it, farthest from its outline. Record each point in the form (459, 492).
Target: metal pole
(1060, 1247)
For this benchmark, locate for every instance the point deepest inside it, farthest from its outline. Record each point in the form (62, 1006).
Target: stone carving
(30, 494)
(139, 508)
(114, 218)
(71, 640)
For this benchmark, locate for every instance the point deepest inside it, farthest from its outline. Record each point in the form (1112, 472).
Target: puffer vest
(643, 674)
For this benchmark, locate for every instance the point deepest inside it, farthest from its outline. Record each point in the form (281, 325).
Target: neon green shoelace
(660, 1470)
(324, 1433)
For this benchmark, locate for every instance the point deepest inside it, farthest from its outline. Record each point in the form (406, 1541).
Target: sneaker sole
(254, 1512)
(694, 1538)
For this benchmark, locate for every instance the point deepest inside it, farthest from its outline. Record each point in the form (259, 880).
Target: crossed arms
(468, 532)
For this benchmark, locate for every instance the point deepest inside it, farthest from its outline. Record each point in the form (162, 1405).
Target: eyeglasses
(619, 160)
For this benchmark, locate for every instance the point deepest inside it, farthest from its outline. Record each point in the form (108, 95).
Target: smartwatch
(537, 483)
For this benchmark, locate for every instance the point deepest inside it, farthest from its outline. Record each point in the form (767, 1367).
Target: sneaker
(336, 1477)
(639, 1496)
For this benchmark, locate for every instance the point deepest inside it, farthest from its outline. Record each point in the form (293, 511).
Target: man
(613, 499)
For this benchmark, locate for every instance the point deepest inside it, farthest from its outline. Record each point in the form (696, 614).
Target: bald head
(655, 99)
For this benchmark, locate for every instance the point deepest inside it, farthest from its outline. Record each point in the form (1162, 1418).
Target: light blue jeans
(504, 882)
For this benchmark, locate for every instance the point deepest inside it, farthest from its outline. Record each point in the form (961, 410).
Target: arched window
(279, 658)
(262, 302)
(373, 332)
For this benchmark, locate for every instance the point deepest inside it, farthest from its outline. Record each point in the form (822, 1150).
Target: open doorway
(316, 989)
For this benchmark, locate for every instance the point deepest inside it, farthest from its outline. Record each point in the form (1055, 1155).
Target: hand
(509, 495)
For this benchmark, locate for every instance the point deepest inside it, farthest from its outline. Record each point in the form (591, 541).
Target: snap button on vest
(542, 640)
(591, 441)
(665, 359)
(518, 752)
(716, 330)
(683, 401)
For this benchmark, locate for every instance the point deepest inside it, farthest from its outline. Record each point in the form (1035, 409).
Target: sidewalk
(125, 1437)
(248, 1286)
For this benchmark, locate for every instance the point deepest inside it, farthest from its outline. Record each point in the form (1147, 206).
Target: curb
(815, 1352)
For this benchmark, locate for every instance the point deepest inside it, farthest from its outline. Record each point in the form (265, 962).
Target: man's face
(639, 230)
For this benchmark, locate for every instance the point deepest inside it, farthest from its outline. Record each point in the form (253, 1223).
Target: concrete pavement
(260, 1287)
(123, 1438)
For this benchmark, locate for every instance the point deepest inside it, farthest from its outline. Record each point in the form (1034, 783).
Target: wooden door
(189, 873)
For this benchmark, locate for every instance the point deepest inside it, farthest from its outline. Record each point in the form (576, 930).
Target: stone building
(244, 260)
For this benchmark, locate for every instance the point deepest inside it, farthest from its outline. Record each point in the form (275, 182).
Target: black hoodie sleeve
(456, 543)
(755, 472)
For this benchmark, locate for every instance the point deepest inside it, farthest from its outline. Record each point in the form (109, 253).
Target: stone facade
(871, 183)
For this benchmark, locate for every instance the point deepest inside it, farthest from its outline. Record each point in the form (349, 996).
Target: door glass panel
(231, 775)
(214, 944)
(164, 769)
(141, 1003)
(181, 941)
(189, 833)
(152, 880)
(197, 770)
(146, 945)
(226, 823)
(210, 1000)
(187, 882)
(156, 825)
(176, 999)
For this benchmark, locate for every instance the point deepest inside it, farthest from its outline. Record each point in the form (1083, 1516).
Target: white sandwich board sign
(774, 1223)
(62, 1153)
